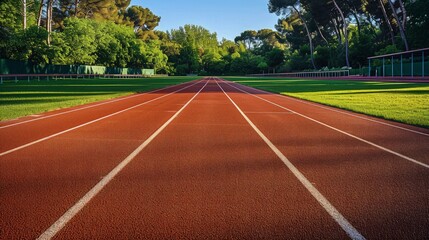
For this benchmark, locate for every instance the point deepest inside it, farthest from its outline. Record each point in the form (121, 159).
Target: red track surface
(207, 174)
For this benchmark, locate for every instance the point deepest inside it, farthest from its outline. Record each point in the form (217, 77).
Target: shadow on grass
(308, 86)
(408, 92)
(24, 98)
(40, 92)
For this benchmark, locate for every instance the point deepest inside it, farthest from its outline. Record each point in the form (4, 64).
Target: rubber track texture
(208, 175)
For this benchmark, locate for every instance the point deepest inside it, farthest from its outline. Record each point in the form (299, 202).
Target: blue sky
(228, 18)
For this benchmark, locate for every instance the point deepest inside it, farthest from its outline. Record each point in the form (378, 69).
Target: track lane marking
(79, 205)
(269, 112)
(90, 122)
(307, 102)
(330, 209)
(87, 107)
(338, 130)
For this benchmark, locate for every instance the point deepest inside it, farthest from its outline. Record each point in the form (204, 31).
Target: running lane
(401, 138)
(39, 183)
(206, 176)
(383, 195)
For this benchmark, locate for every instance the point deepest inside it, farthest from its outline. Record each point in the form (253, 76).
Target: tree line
(310, 34)
(334, 33)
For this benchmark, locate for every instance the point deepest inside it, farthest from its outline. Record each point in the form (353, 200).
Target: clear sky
(228, 18)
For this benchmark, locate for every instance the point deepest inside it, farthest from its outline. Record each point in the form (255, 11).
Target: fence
(19, 67)
(416, 69)
(411, 63)
(316, 74)
(29, 77)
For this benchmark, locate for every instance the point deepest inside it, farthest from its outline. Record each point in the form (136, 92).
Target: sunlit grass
(402, 102)
(27, 98)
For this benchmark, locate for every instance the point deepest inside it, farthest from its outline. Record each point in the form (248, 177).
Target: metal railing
(38, 77)
(410, 63)
(315, 74)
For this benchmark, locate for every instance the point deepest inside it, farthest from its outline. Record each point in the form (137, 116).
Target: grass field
(23, 98)
(402, 102)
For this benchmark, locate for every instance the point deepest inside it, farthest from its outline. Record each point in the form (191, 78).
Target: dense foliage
(335, 33)
(66, 32)
(310, 34)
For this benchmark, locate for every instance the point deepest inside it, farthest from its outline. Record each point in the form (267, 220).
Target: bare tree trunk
(39, 17)
(321, 34)
(76, 3)
(354, 12)
(309, 37)
(24, 14)
(369, 20)
(404, 14)
(346, 37)
(49, 20)
(386, 19)
(52, 16)
(401, 28)
(337, 31)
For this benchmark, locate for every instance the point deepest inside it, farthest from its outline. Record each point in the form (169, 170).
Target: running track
(212, 159)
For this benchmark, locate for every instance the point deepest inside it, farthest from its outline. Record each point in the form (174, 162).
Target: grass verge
(402, 102)
(27, 98)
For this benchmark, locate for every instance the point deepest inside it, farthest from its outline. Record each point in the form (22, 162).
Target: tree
(49, 20)
(268, 39)
(345, 30)
(99, 10)
(77, 42)
(400, 25)
(212, 63)
(248, 63)
(153, 56)
(248, 37)
(24, 13)
(10, 19)
(195, 41)
(275, 57)
(418, 25)
(287, 7)
(387, 21)
(29, 45)
(143, 21)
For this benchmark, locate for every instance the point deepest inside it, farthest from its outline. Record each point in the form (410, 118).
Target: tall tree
(248, 37)
(418, 24)
(49, 19)
(400, 25)
(40, 13)
(287, 7)
(99, 10)
(24, 14)
(387, 21)
(404, 13)
(10, 17)
(143, 20)
(345, 30)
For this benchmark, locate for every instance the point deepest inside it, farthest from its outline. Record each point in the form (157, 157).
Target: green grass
(23, 98)
(402, 102)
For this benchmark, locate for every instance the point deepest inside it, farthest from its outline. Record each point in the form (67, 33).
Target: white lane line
(330, 209)
(339, 111)
(268, 112)
(88, 123)
(83, 108)
(64, 219)
(338, 130)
